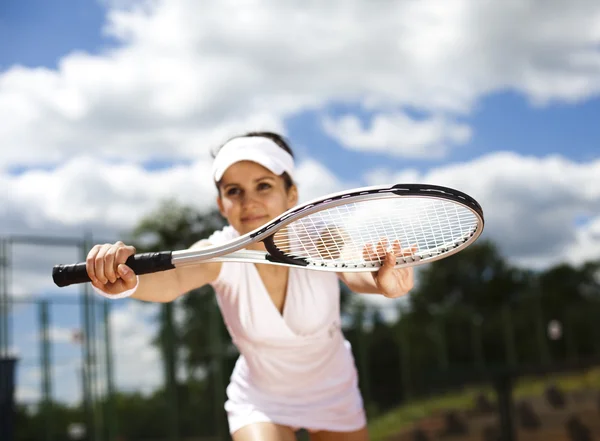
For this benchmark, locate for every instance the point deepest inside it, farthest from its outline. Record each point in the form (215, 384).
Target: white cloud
(138, 364)
(187, 74)
(530, 205)
(587, 241)
(84, 193)
(399, 135)
(64, 381)
(26, 394)
(315, 180)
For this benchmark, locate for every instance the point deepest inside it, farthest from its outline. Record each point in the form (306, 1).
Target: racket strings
(359, 233)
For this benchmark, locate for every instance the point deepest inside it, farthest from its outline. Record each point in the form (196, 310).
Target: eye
(232, 191)
(264, 186)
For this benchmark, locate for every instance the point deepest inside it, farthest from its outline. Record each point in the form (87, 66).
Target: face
(251, 195)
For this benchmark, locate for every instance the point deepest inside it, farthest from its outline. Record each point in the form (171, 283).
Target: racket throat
(275, 255)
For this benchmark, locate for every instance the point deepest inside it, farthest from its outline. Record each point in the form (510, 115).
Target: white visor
(257, 149)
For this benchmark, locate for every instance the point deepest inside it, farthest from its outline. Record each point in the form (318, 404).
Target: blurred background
(111, 108)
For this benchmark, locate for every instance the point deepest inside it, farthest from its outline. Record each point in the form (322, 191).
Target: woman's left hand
(391, 282)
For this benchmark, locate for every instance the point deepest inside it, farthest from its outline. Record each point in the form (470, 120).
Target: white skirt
(331, 405)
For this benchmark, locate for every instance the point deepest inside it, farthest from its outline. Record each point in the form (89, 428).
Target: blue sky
(96, 139)
(41, 32)
(502, 121)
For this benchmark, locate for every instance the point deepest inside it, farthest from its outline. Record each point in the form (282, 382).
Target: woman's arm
(108, 272)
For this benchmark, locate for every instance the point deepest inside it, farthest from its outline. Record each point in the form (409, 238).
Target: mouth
(248, 219)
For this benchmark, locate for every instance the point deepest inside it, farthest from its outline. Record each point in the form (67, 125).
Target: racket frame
(231, 250)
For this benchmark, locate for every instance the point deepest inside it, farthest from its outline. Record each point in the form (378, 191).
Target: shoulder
(219, 237)
(225, 273)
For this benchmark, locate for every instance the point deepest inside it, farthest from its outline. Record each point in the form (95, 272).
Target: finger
(413, 249)
(382, 247)
(381, 277)
(123, 253)
(375, 252)
(110, 267)
(99, 263)
(90, 265)
(369, 253)
(410, 278)
(108, 287)
(99, 285)
(396, 247)
(390, 259)
(127, 276)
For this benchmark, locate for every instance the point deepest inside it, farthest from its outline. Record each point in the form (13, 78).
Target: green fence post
(93, 361)
(46, 408)
(441, 342)
(363, 351)
(110, 417)
(509, 339)
(86, 354)
(3, 304)
(540, 330)
(477, 343)
(217, 367)
(170, 372)
(569, 332)
(94, 370)
(405, 365)
(594, 329)
(7, 402)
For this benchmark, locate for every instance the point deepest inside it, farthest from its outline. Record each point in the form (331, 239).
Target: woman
(295, 369)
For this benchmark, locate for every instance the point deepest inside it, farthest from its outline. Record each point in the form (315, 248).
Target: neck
(259, 246)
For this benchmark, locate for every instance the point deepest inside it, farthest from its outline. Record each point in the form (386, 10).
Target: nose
(248, 198)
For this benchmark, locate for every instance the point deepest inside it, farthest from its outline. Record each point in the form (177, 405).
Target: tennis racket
(343, 232)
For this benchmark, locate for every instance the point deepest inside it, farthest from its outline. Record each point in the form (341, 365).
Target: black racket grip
(65, 275)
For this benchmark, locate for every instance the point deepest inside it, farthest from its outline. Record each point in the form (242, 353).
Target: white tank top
(299, 357)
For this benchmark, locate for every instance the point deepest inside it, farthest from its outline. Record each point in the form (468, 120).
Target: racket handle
(65, 275)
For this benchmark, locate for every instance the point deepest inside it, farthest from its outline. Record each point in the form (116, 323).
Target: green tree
(477, 279)
(174, 226)
(31, 423)
(571, 295)
(474, 308)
